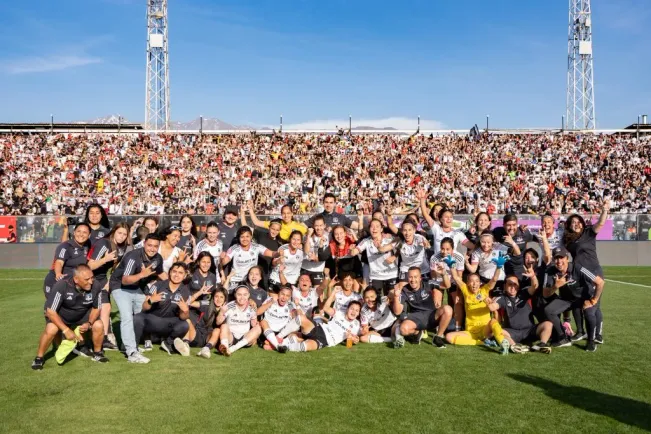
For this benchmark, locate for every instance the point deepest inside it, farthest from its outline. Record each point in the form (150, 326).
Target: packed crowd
(293, 286)
(128, 174)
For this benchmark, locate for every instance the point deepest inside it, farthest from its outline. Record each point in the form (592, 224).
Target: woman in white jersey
(376, 319)
(442, 228)
(306, 297)
(170, 237)
(277, 313)
(412, 251)
(440, 267)
(244, 256)
(238, 323)
(482, 258)
(383, 267)
(213, 245)
(291, 256)
(317, 250)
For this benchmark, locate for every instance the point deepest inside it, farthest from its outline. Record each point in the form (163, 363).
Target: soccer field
(369, 388)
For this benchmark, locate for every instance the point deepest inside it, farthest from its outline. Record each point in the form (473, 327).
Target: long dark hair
(570, 236)
(195, 265)
(193, 230)
(211, 315)
(104, 221)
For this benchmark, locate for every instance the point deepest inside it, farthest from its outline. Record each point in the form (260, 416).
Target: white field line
(627, 283)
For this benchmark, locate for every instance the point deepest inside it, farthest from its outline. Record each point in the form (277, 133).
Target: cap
(231, 209)
(560, 251)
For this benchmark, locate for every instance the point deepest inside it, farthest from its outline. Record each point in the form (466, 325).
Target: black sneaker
(598, 339)
(282, 349)
(562, 343)
(99, 357)
(82, 351)
(545, 348)
(38, 363)
(438, 341)
(591, 347)
(108, 345)
(165, 347)
(579, 337)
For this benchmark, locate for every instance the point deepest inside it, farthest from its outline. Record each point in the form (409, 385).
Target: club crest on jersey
(100, 235)
(88, 297)
(478, 297)
(424, 295)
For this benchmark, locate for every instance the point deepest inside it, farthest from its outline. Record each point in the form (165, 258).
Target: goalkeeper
(479, 324)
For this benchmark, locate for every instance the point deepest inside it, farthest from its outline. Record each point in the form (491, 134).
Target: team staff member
(228, 227)
(512, 235)
(188, 234)
(165, 311)
(129, 282)
(518, 315)
(580, 240)
(67, 256)
(579, 289)
(103, 257)
(287, 222)
(419, 307)
(70, 304)
(331, 217)
(98, 221)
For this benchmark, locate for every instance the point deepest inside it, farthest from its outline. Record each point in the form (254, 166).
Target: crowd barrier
(48, 229)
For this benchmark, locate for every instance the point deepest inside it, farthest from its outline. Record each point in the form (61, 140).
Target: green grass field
(370, 388)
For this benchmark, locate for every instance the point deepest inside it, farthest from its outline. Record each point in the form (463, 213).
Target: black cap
(231, 209)
(560, 252)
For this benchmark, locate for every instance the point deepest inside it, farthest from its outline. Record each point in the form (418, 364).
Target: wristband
(149, 302)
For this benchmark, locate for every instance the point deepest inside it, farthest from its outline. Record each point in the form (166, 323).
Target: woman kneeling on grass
(479, 324)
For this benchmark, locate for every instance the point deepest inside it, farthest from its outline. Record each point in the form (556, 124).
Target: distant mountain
(208, 123)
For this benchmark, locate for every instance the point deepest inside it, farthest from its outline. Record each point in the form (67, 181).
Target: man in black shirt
(228, 227)
(510, 228)
(71, 304)
(165, 311)
(131, 279)
(331, 217)
(418, 306)
(578, 289)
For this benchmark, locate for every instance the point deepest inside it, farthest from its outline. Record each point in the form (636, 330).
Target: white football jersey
(380, 318)
(215, 251)
(486, 267)
(438, 234)
(278, 316)
(336, 328)
(379, 268)
(293, 264)
(342, 300)
(307, 303)
(315, 266)
(244, 260)
(238, 320)
(414, 255)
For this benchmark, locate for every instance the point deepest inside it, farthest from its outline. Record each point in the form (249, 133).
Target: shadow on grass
(625, 410)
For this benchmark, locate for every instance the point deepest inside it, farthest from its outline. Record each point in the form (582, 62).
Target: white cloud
(37, 64)
(399, 123)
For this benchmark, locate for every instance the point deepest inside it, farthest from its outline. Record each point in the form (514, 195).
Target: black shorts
(97, 286)
(385, 333)
(383, 286)
(317, 334)
(72, 324)
(425, 320)
(274, 286)
(315, 276)
(201, 337)
(520, 335)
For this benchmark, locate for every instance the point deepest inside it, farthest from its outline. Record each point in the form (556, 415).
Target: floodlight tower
(157, 97)
(580, 84)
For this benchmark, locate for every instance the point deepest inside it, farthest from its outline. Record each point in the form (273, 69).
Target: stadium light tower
(157, 97)
(580, 82)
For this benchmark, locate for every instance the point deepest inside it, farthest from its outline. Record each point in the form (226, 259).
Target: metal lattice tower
(157, 97)
(580, 80)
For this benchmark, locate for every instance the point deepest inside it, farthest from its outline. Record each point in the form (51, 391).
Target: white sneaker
(148, 346)
(182, 347)
(136, 357)
(111, 338)
(205, 353)
(399, 342)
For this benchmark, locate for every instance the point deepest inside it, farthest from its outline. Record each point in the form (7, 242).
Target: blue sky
(247, 62)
